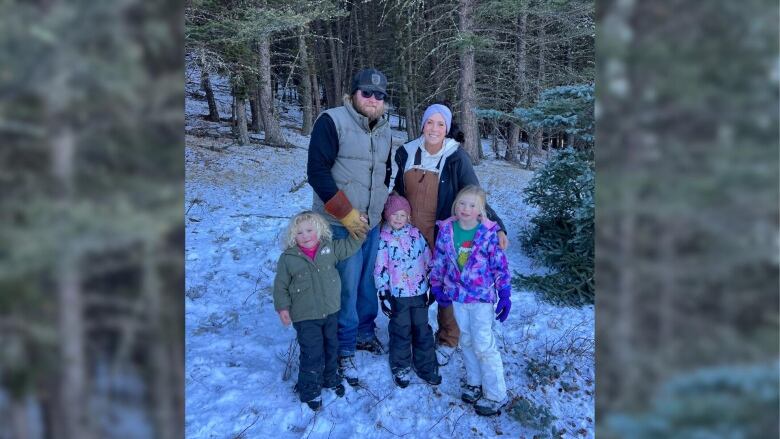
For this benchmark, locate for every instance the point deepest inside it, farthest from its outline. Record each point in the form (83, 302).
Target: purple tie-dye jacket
(402, 262)
(485, 275)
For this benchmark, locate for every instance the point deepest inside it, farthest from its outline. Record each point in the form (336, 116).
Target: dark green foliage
(560, 236)
(537, 417)
(541, 372)
(717, 402)
(567, 109)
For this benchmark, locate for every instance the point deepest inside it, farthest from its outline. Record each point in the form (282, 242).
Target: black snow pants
(319, 345)
(411, 337)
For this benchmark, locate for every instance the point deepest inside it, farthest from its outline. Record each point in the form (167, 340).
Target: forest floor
(239, 368)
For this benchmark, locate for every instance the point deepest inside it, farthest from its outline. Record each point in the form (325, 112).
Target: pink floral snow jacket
(402, 262)
(485, 274)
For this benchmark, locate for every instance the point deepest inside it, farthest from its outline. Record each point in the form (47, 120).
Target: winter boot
(433, 380)
(401, 377)
(488, 407)
(338, 389)
(348, 370)
(315, 403)
(470, 394)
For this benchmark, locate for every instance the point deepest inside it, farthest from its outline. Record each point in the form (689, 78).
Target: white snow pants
(480, 351)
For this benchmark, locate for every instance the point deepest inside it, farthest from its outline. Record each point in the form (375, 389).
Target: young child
(401, 278)
(307, 292)
(469, 272)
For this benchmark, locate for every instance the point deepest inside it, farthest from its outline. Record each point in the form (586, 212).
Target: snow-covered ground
(238, 199)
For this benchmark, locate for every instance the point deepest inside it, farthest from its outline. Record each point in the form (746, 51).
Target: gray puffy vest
(360, 165)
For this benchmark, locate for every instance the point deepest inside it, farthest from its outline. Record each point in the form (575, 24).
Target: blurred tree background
(91, 266)
(687, 219)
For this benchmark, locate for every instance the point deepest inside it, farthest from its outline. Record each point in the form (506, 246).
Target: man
(349, 169)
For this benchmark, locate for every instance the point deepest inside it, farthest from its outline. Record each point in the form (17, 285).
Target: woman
(432, 169)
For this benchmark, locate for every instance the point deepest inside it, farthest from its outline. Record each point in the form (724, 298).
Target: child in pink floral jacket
(470, 272)
(401, 278)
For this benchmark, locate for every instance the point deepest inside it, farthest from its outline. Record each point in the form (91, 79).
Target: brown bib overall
(422, 191)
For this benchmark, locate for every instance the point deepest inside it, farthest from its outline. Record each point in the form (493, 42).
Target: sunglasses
(378, 95)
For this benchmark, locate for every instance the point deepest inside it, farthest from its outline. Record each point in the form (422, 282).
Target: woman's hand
(503, 241)
(284, 316)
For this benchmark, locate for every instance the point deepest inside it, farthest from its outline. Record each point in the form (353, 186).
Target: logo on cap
(375, 79)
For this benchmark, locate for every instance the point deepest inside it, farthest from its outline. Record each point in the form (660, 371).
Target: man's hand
(284, 316)
(340, 207)
(357, 227)
(503, 241)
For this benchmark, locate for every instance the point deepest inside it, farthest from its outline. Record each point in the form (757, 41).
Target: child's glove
(340, 207)
(386, 302)
(502, 309)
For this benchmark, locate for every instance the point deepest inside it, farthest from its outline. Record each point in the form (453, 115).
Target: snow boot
(488, 407)
(401, 377)
(338, 389)
(348, 370)
(470, 394)
(315, 403)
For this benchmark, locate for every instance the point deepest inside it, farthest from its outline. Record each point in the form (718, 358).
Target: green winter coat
(311, 289)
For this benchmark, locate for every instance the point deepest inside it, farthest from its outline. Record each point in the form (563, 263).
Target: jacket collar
(295, 251)
(361, 120)
(489, 225)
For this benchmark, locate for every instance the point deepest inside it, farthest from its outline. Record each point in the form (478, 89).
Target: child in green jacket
(307, 292)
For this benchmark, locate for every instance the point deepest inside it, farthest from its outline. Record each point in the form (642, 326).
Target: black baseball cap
(369, 80)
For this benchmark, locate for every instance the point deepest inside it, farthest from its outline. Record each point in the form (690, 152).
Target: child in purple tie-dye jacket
(401, 278)
(470, 273)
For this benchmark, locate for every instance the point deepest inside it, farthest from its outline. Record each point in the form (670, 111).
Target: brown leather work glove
(340, 207)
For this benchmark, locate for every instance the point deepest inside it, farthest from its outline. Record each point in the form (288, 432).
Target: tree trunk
(315, 94)
(273, 132)
(321, 59)
(534, 146)
(368, 45)
(542, 58)
(70, 325)
(340, 53)
(513, 152)
(205, 83)
(494, 142)
(305, 94)
(335, 67)
(624, 326)
(165, 422)
(404, 66)
(72, 350)
(512, 143)
(467, 84)
(254, 107)
(239, 123)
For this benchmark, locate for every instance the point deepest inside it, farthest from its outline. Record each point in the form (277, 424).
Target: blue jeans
(359, 304)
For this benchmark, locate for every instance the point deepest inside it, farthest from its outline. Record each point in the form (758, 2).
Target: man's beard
(370, 113)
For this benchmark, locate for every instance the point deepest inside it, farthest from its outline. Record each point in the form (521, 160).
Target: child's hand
(284, 316)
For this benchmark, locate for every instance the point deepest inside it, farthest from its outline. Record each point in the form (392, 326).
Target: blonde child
(401, 279)
(470, 272)
(307, 292)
